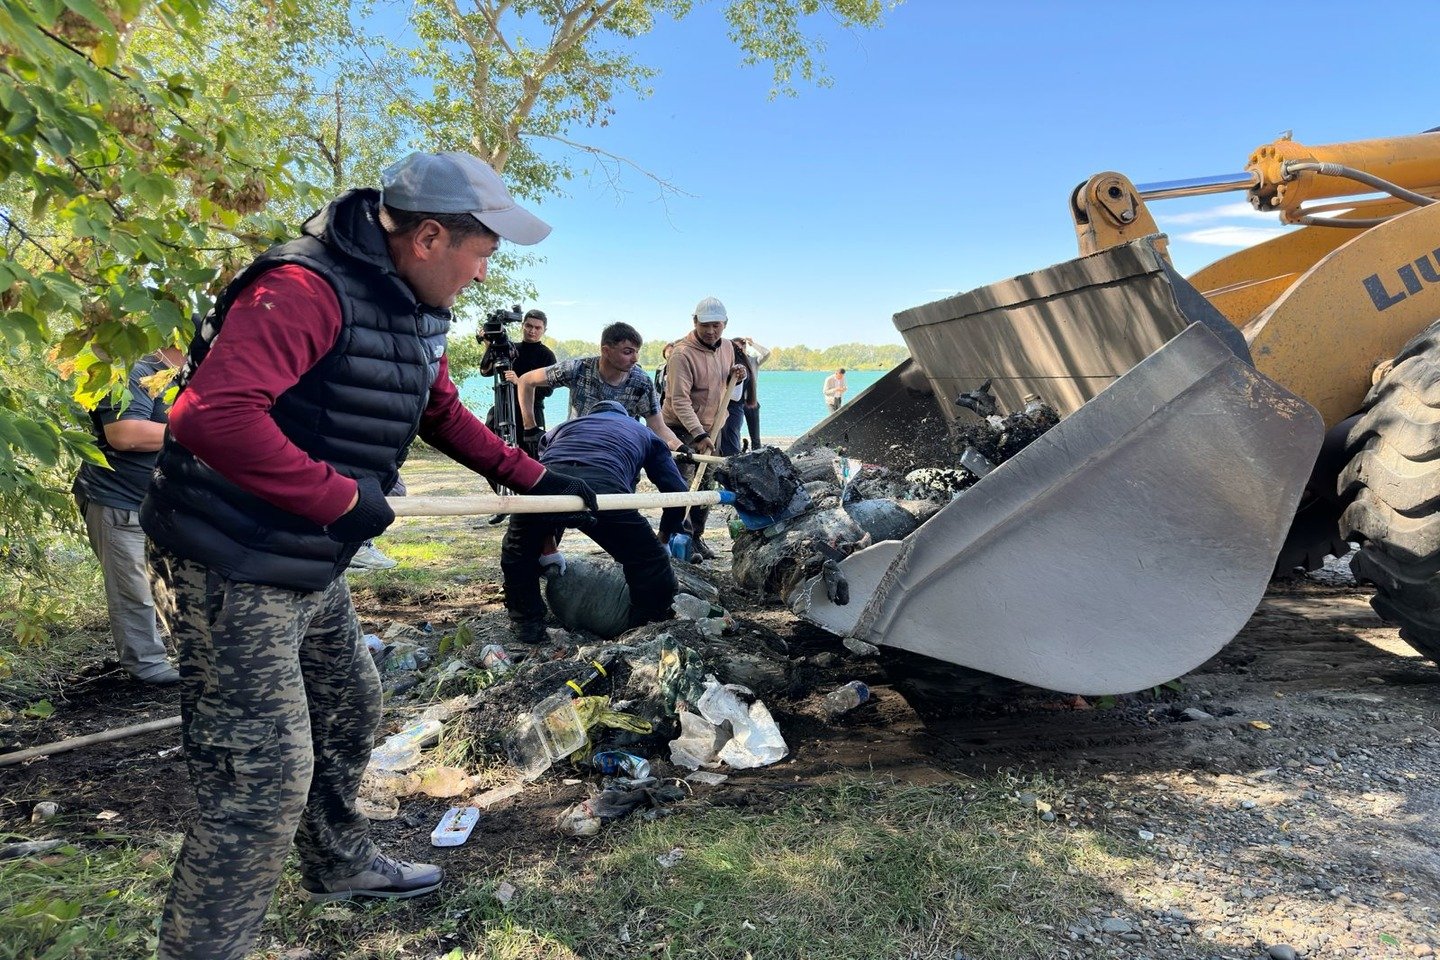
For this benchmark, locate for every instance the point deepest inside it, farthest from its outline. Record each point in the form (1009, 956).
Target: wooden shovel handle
(492, 503)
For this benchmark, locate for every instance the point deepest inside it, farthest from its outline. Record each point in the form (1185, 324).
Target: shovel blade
(1118, 551)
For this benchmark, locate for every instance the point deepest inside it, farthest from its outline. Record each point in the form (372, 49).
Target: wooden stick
(491, 503)
(104, 736)
(700, 457)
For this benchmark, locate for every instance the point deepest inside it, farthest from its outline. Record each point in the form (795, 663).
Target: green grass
(863, 869)
(99, 900)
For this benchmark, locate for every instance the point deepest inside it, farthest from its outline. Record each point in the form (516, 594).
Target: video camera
(492, 331)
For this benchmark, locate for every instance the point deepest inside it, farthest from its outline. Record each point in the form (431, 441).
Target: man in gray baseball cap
(285, 438)
(454, 182)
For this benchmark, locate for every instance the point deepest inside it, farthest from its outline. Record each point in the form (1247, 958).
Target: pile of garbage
(654, 713)
(854, 505)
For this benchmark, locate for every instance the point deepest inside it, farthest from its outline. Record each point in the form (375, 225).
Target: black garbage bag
(764, 482)
(882, 519)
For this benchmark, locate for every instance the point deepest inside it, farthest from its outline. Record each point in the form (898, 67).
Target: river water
(790, 400)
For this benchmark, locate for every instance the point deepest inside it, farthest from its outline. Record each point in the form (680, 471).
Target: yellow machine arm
(1324, 305)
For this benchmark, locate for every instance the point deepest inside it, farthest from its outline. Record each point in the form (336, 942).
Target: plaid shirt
(636, 394)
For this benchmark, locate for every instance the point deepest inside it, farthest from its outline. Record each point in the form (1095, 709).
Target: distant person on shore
(697, 393)
(834, 390)
(744, 399)
(109, 502)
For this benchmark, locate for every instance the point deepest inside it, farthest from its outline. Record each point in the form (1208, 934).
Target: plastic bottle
(688, 607)
(846, 698)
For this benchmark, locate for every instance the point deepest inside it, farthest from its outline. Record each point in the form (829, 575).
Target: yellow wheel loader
(1263, 411)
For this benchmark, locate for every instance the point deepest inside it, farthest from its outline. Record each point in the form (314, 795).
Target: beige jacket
(695, 379)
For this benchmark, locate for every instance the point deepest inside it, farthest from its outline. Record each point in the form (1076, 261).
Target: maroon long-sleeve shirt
(289, 319)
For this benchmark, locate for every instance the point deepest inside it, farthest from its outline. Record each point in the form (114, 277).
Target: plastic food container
(454, 828)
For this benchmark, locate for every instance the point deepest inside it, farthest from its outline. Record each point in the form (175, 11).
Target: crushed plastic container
(550, 732)
(693, 608)
(401, 751)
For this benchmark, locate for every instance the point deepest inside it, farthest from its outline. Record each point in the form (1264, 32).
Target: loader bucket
(1118, 551)
(894, 421)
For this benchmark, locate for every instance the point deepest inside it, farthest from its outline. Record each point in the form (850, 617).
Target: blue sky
(942, 157)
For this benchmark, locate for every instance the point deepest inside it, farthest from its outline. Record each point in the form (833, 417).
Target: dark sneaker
(700, 550)
(386, 878)
(531, 632)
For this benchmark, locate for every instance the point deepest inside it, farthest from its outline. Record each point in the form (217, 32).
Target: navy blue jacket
(608, 441)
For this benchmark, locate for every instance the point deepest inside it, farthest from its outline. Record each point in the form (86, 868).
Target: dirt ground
(1294, 804)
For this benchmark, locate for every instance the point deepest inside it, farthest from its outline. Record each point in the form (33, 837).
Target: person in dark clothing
(744, 406)
(608, 450)
(529, 354)
(288, 432)
(109, 502)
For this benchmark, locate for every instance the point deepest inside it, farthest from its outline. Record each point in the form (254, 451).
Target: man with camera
(508, 362)
(286, 435)
(613, 375)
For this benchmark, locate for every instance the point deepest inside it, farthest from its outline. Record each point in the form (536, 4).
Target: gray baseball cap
(456, 182)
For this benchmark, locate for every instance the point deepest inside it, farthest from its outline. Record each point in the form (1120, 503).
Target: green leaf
(19, 327)
(41, 441)
(40, 709)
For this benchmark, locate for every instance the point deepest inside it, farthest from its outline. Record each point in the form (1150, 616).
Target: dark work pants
(730, 433)
(624, 534)
(752, 421)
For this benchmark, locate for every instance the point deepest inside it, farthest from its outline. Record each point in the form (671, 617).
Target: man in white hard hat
(701, 371)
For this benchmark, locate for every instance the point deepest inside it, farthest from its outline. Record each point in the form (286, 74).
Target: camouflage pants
(280, 701)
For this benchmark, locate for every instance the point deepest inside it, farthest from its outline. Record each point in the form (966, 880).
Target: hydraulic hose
(1350, 173)
(1293, 167)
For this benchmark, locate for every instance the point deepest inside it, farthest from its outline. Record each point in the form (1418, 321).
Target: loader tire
(1391, 488)
(1314, 534)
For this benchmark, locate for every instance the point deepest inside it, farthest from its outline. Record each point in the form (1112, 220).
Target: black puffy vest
(358, 409)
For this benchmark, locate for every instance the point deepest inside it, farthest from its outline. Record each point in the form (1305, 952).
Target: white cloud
(1235, 236)
(1225, 211)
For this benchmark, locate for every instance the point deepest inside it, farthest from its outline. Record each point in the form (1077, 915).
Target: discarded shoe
(386, 878)
(368, 558)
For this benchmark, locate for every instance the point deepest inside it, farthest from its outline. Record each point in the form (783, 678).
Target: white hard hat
(710, 310)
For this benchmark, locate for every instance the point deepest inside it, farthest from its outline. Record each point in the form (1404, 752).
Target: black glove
(672, 521)
(685, 453)
(530, 440)
(559, 484)
(367, 519)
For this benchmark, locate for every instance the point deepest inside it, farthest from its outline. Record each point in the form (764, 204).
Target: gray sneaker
(164, 677)
(368, 558)
(386, 878)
